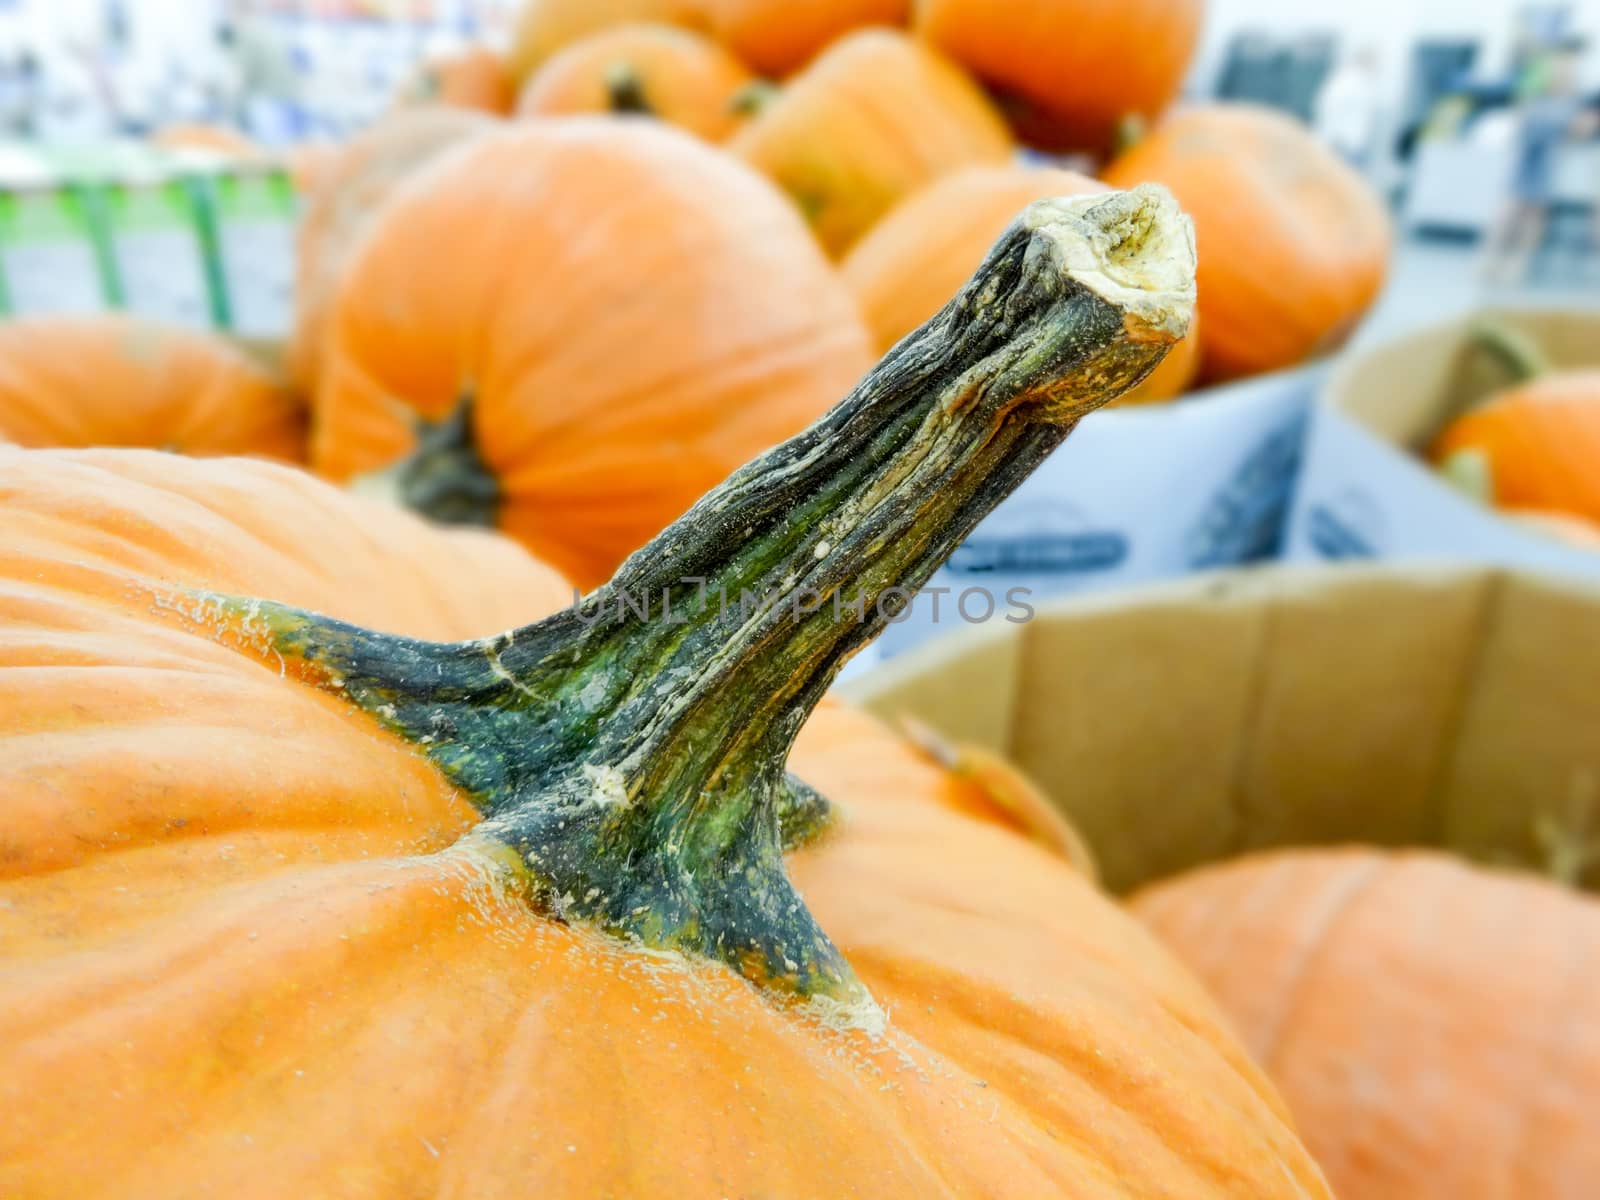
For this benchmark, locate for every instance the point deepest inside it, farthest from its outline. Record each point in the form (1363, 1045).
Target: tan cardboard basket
(1285, 706)
(1364, 489)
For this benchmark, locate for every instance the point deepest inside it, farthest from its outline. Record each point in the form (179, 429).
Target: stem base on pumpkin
(444, 478)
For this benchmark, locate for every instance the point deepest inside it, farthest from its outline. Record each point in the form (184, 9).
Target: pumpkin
(295, 907)
(872, 119)
(546, 26)
(655, 70)
(346, 193)
(1294, 243)
(476, 78)
(919, 255)
(1071, 72)
(776, 36)
(1430, 1023)
(122, 381)
(1540, 443)
(220, 140)
(697, 324)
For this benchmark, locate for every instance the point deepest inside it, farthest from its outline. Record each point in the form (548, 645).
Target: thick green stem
(632, 748)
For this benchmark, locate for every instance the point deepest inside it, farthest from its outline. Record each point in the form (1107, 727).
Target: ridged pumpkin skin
(245, 955)
(870, 121)
(697, 324)
(1430, 1023)
(918, 256)
(121, 381)
(779, 36)
(347, 191)
(1294, 244)
(682, 77)
(477, 78)
(1070, 71)
(1541, 441)
(546, 26)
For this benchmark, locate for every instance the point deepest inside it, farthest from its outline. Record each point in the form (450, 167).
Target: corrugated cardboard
(1364, 491)
(1181, 723)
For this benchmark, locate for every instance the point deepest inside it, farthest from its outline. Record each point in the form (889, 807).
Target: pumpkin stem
(631, 749)
(444, 478)
(625, 90)
(754, 98)
(1471, 473)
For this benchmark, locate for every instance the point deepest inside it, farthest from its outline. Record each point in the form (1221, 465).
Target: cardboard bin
(1201, 719)
(1365, 492)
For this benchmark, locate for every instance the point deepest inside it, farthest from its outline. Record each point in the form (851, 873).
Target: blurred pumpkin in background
(779, 36)
(1430, 1023)
(220, 140)
(475, 78)
(545, 26)
(346, 192)
(124, 381)
(872, 119)
(1538, 444)
(1070, 73)
(916, 258)
(1294, 244)
(682, 77)
(628, 316)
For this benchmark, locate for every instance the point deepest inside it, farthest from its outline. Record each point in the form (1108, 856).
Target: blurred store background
(1478, 119)
(1419, 166)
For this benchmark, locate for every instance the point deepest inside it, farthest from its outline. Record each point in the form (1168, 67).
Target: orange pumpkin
(345, 194)
(1540, 442)
(697, 324)
(221, 140)
(1070, 72)
(682, 77)
(123, 381)
(545, 26)
(778, 36)
(919, 255)
(476, 78)
(1293, 243)
(293, 907)
(873, 119)
(1430, 1023)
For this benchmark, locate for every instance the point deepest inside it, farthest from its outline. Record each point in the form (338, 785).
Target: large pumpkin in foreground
(295, 908)
(872, 119)
(1294, 244)
(1070, 72)
(918, 256)
(1431, 1024)
(124, 381)
(347, 192)
(628, 315)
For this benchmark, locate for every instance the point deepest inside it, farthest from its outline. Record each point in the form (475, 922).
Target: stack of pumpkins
(273, 920)
(565, 290)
